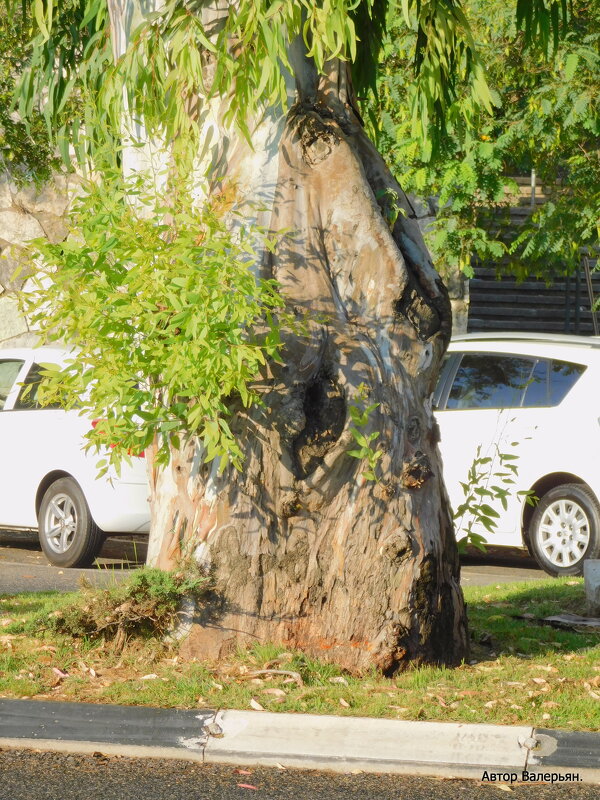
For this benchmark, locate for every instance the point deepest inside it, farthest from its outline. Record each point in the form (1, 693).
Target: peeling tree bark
(304, 551)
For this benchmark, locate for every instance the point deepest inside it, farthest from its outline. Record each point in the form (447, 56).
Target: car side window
(490, 380)
(441, 382)
(563, 376)
(27, 398)
(28, 395)
(537, 392)
(9, 370)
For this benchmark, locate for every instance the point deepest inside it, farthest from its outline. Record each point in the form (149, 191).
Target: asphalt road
(50, 776)
(23, 566)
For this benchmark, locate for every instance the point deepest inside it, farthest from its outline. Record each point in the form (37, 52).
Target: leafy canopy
(164, 69)
(25, 150)
(546, 117)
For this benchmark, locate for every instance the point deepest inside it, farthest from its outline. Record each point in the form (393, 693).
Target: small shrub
(146, 605)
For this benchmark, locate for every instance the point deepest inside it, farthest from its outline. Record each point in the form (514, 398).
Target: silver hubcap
(564, 533)
(60, 523)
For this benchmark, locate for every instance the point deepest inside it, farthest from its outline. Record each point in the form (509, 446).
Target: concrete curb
(492, 753)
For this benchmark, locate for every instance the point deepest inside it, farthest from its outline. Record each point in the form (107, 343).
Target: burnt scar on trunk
(325, 412)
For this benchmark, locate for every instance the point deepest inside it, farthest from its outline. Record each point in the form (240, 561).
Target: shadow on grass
(496, 629)
(31, 603)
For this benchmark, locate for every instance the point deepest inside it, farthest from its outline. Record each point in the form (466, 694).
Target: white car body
(41, 445)
(555, 443)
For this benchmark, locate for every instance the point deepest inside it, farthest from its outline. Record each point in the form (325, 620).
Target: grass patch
(521, 672)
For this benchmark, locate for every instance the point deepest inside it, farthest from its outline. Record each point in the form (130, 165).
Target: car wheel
(68, 535)
(565, 529)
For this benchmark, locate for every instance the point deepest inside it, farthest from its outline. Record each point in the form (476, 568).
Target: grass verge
(521, 672)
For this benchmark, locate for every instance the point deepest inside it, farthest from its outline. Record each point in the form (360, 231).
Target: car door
(13, 483)
(41, 440)
(480, 416)
(546, 432)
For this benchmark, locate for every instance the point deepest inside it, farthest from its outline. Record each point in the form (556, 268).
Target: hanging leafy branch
(543, 22)
(24, 150)
(178, 54)
(546, 117)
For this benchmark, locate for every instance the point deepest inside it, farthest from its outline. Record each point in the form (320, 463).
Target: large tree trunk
(303, 549)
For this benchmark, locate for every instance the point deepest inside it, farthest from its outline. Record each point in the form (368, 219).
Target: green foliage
(432, 89)
(490, 479)
(164, 69)
(541, 21)
(67, 77)
(545, 89)
(360, 416)
(24, 150)
(170, 324)
(177, 55)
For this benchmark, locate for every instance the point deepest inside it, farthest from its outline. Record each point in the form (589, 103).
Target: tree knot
(397, 547)
(290, 505)
(416, 471)
(317, 137)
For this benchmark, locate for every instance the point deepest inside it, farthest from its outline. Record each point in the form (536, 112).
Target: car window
(490, 380)
(27, 398)
(441, 382)
(563, 376)
(550, 382)
(9, 371)
(537, 392)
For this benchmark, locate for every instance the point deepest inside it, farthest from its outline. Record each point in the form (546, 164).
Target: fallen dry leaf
(295, 676)
(150, 677)
(339, 679)
(275, 692)
(256, 705)
(539, 681)
(344, 703)
(242, 772)
(60, 673)
(247, 786)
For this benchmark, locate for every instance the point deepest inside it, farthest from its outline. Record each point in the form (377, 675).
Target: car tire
(565, 529)
(68, 535)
